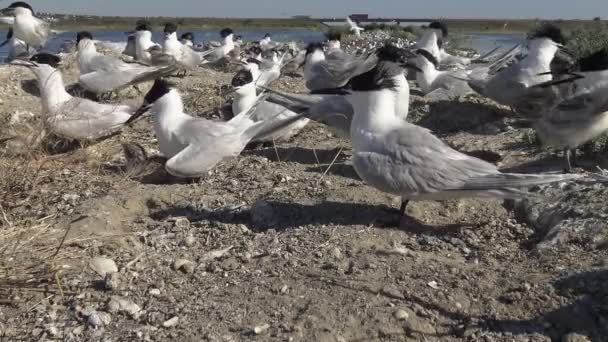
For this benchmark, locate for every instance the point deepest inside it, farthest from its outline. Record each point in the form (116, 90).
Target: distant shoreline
(71, 22)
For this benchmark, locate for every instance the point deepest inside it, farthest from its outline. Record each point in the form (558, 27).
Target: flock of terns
(363, 97)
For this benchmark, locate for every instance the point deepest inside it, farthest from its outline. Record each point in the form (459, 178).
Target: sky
(545, 9)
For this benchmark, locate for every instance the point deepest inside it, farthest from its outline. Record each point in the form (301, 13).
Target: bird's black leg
(403, 207)
(573, 157)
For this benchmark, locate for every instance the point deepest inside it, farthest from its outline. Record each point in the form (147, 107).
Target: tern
(406, 160)
(68, 116)
(510, 85)
(354, 27)
(33, 31)
(245, 97)
(193, 146)
(101, 74)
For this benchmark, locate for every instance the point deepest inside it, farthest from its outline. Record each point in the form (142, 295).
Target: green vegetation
(583, 41)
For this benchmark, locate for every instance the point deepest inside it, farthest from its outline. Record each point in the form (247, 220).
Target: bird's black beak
(4, 42)
(139, 112)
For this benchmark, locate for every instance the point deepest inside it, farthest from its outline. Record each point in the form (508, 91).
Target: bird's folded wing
(195, 160)
(414, 160)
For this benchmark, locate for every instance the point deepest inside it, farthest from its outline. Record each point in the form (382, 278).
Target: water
(485, 42)
(482, 42)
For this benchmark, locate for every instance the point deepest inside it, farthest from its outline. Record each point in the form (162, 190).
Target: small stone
(575, 338)
(171, 322)
(102, 266)
(402, 315)
(189, 241)
(284, 289)
(260, 329)
(433, 284)
(78, 330)
(244, 229)
(420, 326)
(184, 265)
(336, 253)
(154, 292)
(182, 223)
(119, 304)
(52, 330)
(98, 319)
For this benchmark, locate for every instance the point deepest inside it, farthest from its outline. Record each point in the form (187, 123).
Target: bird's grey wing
(108, 64)
(84, 119)
(579, 108)
(194, 161)
(412, 160)
(101, 81)
(341, 71)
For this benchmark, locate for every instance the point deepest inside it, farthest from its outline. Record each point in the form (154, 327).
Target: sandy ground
(271, 247)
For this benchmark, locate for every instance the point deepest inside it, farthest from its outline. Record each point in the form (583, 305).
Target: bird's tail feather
(517, 180)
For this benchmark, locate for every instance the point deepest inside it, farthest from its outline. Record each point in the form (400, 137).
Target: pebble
(98, 319)
(102, 266)
(119, 304)
(171, 322)
(420, 326)
(182, 223)
(189, 241)
(260, 329)
(154, 292)
(336, 253)
(184, 265)
(402, 315)
(433, 284)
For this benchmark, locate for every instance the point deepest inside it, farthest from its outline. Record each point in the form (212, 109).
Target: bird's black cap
(83, 35)
(242, 78)
(550, 31)
(380, 77)
(312, 47)
(143, 25)
(188, 35)
(170, 28)
(429, 56)
(46, 58)
(226, 32)
(438, 25)
(333, 35)
(158, 90)
(22, 5)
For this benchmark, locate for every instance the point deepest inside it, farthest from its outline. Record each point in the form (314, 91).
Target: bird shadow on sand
(585, 314)
(300, 155)
(281, 216)
(450, 117)
(556, 163)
